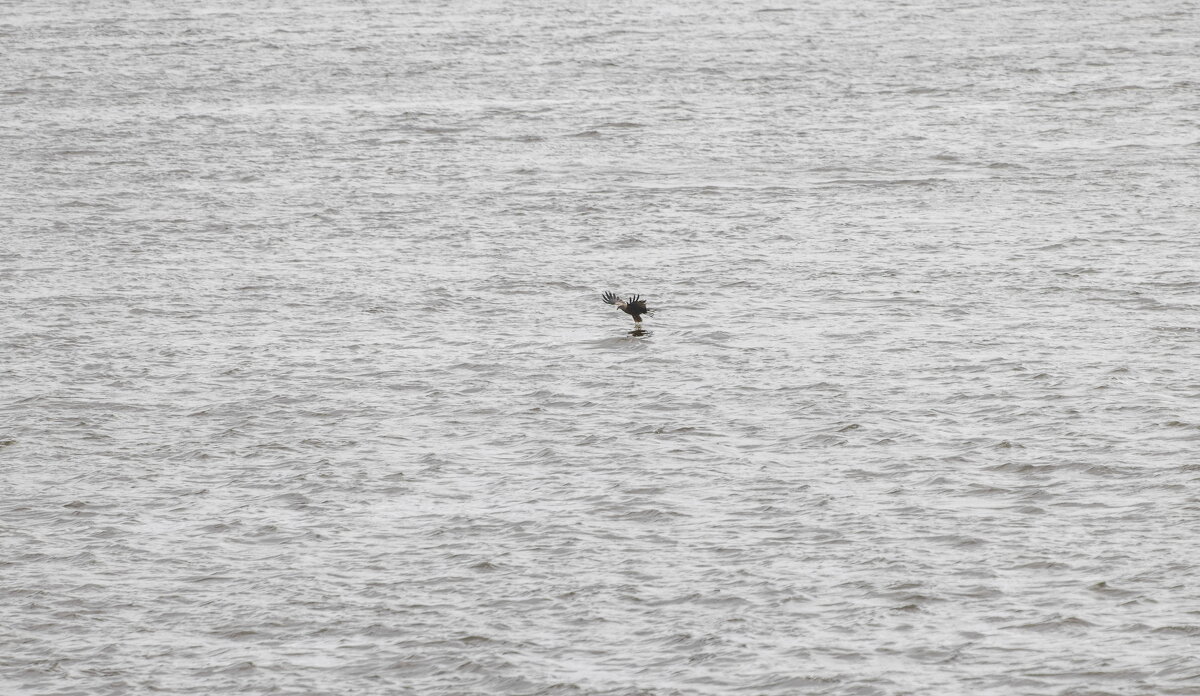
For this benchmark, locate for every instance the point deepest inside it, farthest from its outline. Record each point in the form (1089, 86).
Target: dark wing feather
(610, 298)
(637, 305)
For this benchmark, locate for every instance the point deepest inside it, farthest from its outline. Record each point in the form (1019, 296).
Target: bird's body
(635, 306)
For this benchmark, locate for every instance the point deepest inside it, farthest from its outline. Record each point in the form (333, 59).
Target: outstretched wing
(612, 299)
(637, 305)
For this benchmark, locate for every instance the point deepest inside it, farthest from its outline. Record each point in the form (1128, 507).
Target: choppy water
(307, 388)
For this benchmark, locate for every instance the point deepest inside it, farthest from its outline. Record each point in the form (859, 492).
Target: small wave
(831, 183)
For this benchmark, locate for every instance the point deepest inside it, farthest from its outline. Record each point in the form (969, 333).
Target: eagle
(635, 306)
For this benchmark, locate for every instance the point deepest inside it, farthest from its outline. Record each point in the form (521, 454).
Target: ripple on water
(308, 387)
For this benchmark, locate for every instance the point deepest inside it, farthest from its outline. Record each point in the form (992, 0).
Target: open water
(306, 386)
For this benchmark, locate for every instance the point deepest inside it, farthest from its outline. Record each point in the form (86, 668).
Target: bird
(635, 306)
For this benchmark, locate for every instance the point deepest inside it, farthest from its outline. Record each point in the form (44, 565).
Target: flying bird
(635, 306)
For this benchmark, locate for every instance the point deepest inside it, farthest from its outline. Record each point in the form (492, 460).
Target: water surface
(307, 387)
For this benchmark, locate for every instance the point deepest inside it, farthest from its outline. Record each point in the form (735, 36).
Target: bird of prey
(635, 306)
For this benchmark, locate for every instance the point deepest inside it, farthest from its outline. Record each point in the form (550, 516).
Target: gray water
(307, 387)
